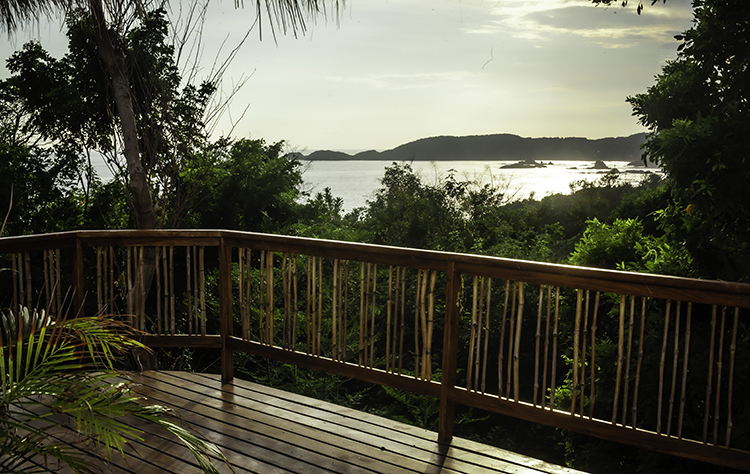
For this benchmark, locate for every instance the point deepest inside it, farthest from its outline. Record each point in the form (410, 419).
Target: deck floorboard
(264, 430)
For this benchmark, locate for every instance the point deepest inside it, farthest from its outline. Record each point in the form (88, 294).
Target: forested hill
(499, 147)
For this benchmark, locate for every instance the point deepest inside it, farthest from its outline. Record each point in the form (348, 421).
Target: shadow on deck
(264, 430)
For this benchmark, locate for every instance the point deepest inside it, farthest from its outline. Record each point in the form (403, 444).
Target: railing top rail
(639, 284)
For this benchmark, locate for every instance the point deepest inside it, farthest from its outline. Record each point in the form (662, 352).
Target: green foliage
(322, 218)
(406, 212)
(623, 245)
(255, 187)
(43, 198)
(699, 119)
(64, 367)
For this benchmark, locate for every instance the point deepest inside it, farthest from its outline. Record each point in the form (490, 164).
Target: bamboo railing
(647, 360)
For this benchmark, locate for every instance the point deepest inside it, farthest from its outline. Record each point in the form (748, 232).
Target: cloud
(547, 20)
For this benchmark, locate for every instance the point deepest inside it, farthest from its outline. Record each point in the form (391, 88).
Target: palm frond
(15, 12)
(57, 374)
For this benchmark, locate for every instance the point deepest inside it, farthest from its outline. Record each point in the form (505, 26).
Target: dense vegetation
(694, 223)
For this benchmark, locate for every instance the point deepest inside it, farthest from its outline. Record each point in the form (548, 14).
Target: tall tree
(698, 113)
(111, 20)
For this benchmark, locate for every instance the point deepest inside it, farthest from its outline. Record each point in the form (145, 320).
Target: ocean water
(357, 181)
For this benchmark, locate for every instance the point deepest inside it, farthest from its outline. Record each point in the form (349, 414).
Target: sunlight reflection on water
(357, 181)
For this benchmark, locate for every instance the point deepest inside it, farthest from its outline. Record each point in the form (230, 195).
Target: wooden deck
(263, 430)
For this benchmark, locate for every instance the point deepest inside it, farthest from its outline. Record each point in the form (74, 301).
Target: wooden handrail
(262, 269)
(639, 284)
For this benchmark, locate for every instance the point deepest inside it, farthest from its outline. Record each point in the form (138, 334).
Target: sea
(356, 182)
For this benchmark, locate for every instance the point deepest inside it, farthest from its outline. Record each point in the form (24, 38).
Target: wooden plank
(389, 441)
(275, 429)
(409, 435)
(160, 450)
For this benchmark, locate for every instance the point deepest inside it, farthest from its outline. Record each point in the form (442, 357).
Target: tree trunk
(114, 59)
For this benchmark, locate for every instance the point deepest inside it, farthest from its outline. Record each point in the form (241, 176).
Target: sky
(384, 73)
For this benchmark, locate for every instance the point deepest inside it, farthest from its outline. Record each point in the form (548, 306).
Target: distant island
(499, 147)
(523, 164)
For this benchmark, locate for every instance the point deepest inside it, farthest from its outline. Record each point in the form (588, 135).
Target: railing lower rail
(647, 360)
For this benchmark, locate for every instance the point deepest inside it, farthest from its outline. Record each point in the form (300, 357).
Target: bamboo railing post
(362, 313)
(477, 362)
(719, 364)
(486, 333)
(314, 315)
(553, 382)
(430, 325)
(394, 337)
(640, 360)
(675, 357)
(225, 310)
(582, 381)
(511, 340)
(576, 348)
(296, 303)
(423, 321)
(48, 276)
(631, 321)
(592, 391)
(29, 293)
(17, 300)
(545, 358)
(111, 280)
(140, 286)
(78, 285)
(309, 303)
(732, 350)
(709, 378)
(403, 322)
(189, 291)
(159, 291)
(537, 338)
(99, 293)
(450, 354)
(244, 292)
(334, 311)
(269, 298)
(172, 301)
(388, 312)
(416, 323)
(472, 336)
(685, 369)
(372, 312)
(620, 356)
(262, 297)
(517, 346)
(501, 351)
(320, 307)
(202, 281)
(345, 311)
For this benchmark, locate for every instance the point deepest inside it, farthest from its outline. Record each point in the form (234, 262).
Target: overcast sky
(390, 72)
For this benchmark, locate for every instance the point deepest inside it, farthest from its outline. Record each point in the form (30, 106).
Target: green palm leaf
(56, 378)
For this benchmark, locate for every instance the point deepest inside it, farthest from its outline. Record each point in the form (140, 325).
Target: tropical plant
(58, 398)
